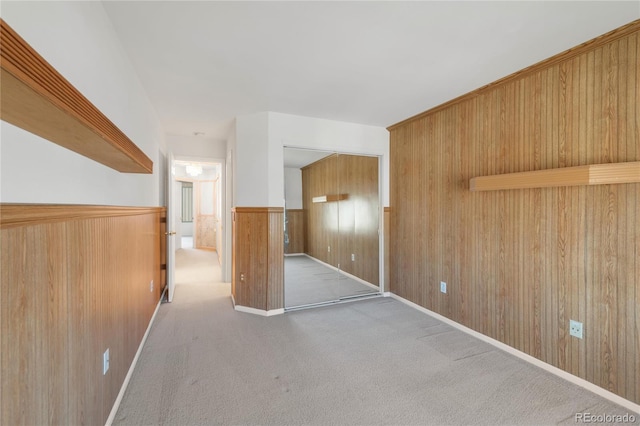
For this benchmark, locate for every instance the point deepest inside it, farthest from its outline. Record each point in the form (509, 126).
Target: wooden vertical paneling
(295, 230)
(75, 281)
(250, 256)
(403, 205)
(34, 325)
(275, 291)
(359, 217)
(322, 221)
(257, 257)
(520, 264)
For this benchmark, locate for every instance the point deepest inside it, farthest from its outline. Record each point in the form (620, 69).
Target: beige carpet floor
(308, 282)
(371, 362)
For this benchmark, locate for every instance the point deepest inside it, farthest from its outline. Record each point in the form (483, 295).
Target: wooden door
(205, 217)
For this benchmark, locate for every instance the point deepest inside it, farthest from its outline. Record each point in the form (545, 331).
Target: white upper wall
(293, 188)
(260, 142)
(328, 135)
(251, 168)
(77, 39)
(196, 147)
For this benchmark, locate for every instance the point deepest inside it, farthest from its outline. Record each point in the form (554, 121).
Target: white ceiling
(203, 63)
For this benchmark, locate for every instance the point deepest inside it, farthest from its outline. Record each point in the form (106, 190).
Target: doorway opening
(199, 204)
(332, 227)
(197, 213)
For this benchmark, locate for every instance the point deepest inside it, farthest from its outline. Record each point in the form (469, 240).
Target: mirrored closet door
(331, 227)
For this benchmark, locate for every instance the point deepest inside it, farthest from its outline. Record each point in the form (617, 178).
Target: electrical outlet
(443, 287)
(575, 329)
(353, 257)
(151, 286)
(105, 362)
(328, 249)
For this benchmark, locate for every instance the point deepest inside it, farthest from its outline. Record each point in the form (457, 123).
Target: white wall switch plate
(443, 287)
(151, 286)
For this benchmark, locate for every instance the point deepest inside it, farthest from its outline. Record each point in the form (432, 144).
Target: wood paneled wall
(349, 226)
(520, 264)
(75, 281)
(257, 257)
(321, 219)
(295, 231)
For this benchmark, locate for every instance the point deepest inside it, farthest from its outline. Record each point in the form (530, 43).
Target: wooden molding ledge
(35, 214)
(593, 174)
(329, 198)
(36, 98)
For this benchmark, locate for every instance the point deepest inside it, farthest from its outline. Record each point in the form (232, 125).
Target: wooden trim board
(592, 174)
(329, 198)
(38, 99)
(34, 214)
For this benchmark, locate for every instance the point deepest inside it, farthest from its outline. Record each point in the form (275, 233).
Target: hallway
(196, 266)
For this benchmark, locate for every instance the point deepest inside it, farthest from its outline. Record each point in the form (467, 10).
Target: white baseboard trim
(261, 312)
(255, 311)
(526, 357)
(123, 388)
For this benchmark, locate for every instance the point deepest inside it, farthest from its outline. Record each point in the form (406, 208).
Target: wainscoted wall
(520, 264)
(75, 281)
(257, 260)
(295, 231)
(336, 230)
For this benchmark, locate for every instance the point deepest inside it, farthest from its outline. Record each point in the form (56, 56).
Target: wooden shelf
(36, 98)
(329, 198)
(593, 174)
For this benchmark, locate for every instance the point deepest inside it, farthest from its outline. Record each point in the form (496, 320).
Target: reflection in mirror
(331, 226)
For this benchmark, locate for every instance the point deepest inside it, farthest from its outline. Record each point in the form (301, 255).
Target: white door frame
(226, 248)
(170, 228)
